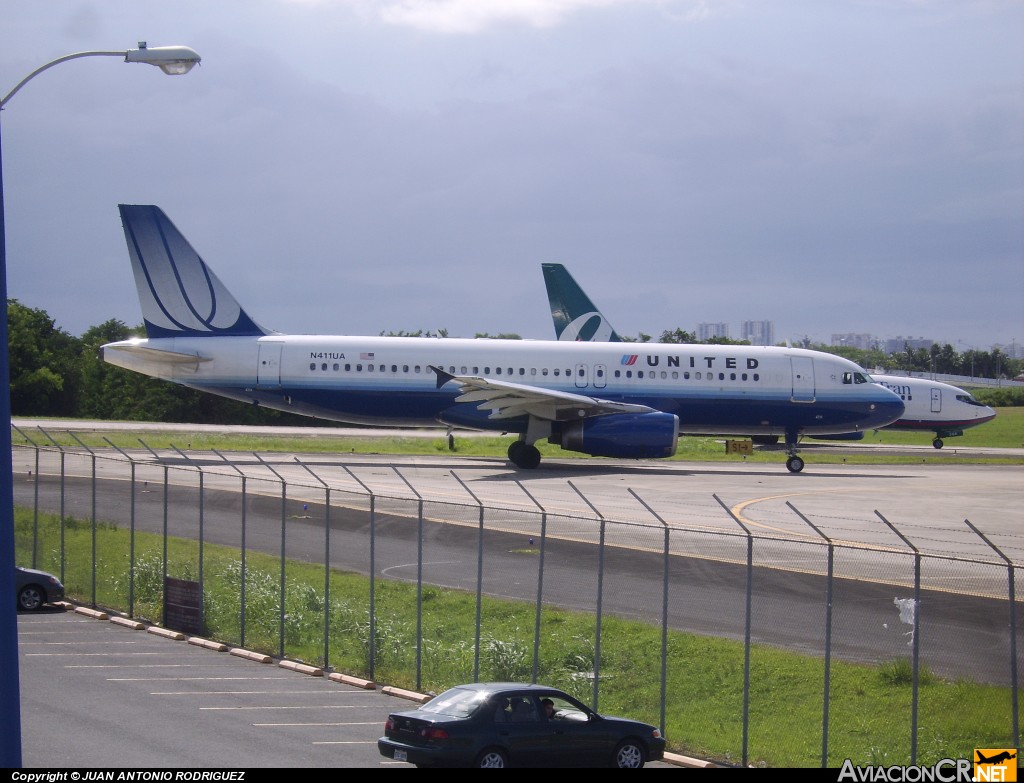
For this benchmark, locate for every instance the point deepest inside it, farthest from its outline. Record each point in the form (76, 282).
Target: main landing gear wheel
(937, 443)
(523, 455)
(794, 464)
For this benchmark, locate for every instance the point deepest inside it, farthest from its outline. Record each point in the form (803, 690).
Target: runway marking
(189, 679)
(343, 723)
(236, 693)
(296, 707)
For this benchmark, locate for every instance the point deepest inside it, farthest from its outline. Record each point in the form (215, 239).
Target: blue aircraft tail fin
(575, 317)
(180, 296)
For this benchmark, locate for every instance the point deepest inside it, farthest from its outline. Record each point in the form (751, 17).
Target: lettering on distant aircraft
(326, 355)
(901, 389)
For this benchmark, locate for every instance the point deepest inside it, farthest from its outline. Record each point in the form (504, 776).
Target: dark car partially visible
(494, 725)
(33, 588)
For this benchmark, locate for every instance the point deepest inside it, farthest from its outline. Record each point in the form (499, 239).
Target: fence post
(93, 457)
(419, 579)
(1012, 593)
(600, 594)
(828, 633)
(202, 519)
(284, 517)
(131, 531)
(327, 562)
(373, 571)
(241, 589)
(746, 630)
(917, 644)
(60, 448)
(35, 500)
(479, 578)
(664, 605)
(540, 580)
(167, 487)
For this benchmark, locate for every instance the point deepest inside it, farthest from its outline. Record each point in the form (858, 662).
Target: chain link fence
(746, 648)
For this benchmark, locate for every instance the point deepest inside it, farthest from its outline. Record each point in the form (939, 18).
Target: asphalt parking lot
(107, 693)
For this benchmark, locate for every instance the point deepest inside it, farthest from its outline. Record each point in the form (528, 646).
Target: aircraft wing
(507, 400)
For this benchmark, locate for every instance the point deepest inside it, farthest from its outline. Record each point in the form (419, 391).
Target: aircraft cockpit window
(969, 400)
(847, 377)
(859, 377)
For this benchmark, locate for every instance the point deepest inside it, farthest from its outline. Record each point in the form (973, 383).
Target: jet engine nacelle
(623, 435)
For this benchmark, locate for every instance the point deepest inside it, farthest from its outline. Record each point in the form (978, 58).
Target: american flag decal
(366, 355)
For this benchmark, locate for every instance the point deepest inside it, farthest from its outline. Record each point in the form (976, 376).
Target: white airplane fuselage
(387, 380)
(933, 406)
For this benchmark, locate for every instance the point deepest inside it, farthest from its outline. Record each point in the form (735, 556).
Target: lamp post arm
(52, 63)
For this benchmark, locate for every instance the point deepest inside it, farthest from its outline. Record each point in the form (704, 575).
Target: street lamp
(172, 60)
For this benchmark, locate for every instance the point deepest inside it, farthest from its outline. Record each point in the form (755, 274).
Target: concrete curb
(127, 623)
(404, 694)
(207, 643)
(348, 679)
(252, 656)
(93, 613)
(167, 633)
(305, 668)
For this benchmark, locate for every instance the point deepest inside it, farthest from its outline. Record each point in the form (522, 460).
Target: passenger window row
(534, 372)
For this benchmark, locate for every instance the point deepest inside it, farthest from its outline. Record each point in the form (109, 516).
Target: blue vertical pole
(10, 695)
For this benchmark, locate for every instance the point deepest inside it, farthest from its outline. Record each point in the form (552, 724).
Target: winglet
(575, 317)
(178, 293)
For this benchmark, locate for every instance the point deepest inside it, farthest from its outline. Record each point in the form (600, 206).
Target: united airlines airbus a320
(603, 399)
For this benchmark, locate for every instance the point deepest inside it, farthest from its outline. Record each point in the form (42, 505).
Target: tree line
(55, 374)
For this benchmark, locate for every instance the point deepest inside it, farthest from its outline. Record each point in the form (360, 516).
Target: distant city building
(864, 341)
(709, 331)
(759, 332)
(902, 343)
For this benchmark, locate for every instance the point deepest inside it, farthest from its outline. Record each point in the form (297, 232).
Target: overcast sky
(359, 166)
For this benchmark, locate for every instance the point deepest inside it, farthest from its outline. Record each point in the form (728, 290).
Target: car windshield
(457, 702)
